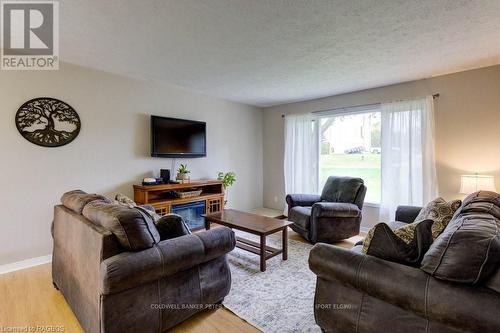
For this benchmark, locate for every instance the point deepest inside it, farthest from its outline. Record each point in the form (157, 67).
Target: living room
(344, 154)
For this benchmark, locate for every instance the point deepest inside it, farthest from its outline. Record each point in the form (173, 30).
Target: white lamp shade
(473, 183)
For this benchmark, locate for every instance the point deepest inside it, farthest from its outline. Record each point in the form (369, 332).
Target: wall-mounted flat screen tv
(171, 137)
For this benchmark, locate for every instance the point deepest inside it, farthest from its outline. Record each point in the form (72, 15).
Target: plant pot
(226, 194)
(182, 176)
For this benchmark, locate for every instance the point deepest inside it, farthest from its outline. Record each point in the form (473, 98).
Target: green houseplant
(183, 172)
(227, 179)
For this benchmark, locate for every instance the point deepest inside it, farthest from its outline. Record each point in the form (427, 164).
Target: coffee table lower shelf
(254, 247)
(260, 226)
(261, 249)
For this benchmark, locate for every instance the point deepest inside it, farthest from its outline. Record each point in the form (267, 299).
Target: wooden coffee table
(253, 224)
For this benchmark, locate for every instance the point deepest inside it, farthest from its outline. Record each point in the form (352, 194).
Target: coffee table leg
(285, 243)
(262, 253)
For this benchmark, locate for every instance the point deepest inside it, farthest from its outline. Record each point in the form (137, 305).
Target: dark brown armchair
(332, 216)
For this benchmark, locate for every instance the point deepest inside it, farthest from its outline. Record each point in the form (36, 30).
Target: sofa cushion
(468, 250)
(335, 209)
(171, 226)
(494, 281)
(382, 242)
(341, 189)
(301, 216)
(77, 199)
(134, 229)
(440, 211)
(133, 269)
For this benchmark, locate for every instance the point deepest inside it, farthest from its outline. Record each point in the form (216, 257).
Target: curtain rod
(434, 96)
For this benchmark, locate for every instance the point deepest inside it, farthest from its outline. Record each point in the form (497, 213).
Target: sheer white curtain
(408, 165)
(300, 162)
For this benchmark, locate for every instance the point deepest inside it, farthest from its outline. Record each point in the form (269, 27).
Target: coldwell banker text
(30, 35)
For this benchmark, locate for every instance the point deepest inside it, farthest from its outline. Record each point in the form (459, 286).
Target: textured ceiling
(264, 52)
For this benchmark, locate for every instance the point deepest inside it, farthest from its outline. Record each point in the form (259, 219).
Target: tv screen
(172, 137)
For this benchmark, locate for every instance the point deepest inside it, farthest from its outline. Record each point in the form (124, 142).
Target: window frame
(345, 111)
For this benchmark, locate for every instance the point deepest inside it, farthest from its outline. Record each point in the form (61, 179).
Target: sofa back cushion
(341, 189)
(468, 250)
(77, 199)
(134, 229)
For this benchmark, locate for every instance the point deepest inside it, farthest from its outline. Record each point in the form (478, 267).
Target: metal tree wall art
(48, 122)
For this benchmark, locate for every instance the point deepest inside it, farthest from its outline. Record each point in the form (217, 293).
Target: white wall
(467, 129)
(112, 151)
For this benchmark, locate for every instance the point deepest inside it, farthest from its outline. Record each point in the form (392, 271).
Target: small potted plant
(227, 179)
(183, 173)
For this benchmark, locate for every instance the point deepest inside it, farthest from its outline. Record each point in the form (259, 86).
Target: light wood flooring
(28, 298)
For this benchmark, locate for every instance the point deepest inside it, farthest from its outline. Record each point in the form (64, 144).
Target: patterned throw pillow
(122, 199)
(440, 211)
(383, 242)
(406, 233)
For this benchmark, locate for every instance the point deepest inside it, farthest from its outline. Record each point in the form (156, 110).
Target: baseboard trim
(15, 266)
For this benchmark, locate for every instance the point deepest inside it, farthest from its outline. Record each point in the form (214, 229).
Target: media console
(160, 197)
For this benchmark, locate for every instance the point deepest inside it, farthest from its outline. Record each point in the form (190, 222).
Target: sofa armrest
(408, 287)
(130, 269)
(335, 209)
(394, 283)
(407, 214)
(302, 199)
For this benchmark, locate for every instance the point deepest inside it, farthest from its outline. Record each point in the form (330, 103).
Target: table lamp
(473, 183)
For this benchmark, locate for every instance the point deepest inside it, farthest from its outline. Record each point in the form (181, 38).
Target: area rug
(281, 299)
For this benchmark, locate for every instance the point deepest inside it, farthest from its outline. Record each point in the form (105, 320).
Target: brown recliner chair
(332, 216)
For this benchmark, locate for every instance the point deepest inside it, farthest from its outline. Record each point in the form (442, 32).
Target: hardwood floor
(28, 298)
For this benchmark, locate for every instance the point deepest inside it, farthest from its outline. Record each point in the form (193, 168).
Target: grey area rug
(281, 299)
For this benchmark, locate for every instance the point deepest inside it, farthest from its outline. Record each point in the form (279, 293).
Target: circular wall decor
(48, 122)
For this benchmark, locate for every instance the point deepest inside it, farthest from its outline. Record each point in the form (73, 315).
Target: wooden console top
(169, 187)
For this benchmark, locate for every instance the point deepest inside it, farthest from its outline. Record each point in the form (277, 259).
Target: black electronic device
(165, 175)
(171, 137)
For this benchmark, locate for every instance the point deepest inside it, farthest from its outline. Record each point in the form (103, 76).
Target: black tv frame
(177, 155)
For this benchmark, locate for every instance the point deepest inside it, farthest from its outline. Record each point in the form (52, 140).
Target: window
(350, 146)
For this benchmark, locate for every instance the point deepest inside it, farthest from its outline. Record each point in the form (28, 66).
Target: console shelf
(156, 195)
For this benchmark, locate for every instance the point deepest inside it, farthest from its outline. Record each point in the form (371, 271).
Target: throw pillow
(150, 211)
(122, 199)
(440, 211)
(382, 242)
(468, 250)
(172, 226)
